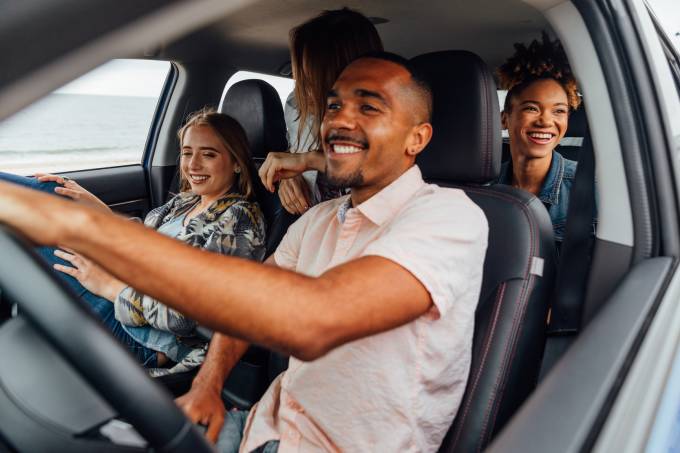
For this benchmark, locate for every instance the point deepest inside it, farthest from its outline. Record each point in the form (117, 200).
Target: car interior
(75, 389)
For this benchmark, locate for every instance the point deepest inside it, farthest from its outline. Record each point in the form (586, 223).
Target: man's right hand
(203, 405)
(279, 166)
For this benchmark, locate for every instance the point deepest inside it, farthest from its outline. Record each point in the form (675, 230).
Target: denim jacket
(555, 191)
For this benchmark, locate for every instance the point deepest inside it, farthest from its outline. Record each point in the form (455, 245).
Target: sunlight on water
(66, 132)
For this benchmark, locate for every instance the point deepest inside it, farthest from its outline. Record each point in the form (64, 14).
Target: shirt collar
(385, 204)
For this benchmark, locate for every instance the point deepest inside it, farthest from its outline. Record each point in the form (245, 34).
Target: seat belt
(574, 266)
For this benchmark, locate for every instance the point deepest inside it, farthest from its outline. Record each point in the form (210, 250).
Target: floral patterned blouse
(231, 225)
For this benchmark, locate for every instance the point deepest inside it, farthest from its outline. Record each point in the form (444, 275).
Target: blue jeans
(102, 308)
(232, 434)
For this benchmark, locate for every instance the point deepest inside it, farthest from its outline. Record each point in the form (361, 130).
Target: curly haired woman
(542, 92)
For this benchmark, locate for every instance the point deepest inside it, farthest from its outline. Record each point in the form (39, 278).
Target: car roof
(243, 34)
(255, 37)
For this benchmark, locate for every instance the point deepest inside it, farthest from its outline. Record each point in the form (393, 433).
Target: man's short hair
(420, 84)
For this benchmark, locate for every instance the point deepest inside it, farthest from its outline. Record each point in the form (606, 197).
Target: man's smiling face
(368, 125)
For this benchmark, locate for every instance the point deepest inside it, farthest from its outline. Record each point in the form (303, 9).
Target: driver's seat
(519, 269)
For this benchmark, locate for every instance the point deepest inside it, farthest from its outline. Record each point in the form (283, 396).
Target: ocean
(64, 132)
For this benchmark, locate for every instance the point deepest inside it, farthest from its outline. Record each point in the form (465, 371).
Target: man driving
(372, 294)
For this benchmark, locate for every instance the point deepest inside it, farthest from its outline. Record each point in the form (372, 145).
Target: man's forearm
(282, 310)
(223, 354)
(204, 286)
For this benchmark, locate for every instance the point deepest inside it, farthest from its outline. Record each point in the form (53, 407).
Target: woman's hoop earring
(237, 170)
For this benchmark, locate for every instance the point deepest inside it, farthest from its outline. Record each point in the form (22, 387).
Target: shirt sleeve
(442, 243)
(239, 232)
(287, 253)
(133, 308)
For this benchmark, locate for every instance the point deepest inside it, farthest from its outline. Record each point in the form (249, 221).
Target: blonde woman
(215, 210)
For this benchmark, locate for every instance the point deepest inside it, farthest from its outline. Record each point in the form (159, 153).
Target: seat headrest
(577, 123)
(257, 106)
(466, 142)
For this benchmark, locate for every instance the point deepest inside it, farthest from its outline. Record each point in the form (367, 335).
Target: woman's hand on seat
(73, 190)
(294, 195)
(92, 277)
(203, 405)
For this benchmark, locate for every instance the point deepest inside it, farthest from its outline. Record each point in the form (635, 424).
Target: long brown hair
(235, 141)
(320, 49)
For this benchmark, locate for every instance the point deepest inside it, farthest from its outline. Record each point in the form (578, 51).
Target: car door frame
(587, 402)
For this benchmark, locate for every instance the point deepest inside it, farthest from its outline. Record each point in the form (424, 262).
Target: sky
(668, 14)
(145, 78)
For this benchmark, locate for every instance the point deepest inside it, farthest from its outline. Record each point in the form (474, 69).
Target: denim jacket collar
(550, 190)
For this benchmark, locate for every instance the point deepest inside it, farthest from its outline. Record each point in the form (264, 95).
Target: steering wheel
(95, 355)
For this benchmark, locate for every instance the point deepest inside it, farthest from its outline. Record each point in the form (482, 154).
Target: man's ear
(419, 138)
(504, 120)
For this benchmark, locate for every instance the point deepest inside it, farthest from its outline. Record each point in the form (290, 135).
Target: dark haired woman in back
(542, 92)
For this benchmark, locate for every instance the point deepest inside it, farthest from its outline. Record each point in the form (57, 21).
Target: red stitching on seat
(518, 321)
(492, 329)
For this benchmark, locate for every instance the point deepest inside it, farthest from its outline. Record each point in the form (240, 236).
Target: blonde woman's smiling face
(206, 163)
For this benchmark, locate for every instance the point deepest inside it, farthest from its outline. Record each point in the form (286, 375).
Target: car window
(667, 14)
(100, 120)
(283, 85)
(672, 59)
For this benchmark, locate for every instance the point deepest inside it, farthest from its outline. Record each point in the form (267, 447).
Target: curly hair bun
(543, 59)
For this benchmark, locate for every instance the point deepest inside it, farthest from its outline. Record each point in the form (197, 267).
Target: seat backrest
(257, 106)
(571, 143)
(520, 263)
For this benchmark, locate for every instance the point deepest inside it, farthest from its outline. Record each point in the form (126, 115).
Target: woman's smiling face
(537, 119)
(206, 163)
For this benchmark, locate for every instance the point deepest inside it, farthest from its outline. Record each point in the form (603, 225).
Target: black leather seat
(257, 106)
(520, 262)
(571, 144)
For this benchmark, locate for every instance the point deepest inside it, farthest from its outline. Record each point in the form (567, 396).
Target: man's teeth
(346, 149)
(539, 135)
(198, 178)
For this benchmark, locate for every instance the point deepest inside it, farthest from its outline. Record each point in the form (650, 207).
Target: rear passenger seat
(257, 106)
(577, 129)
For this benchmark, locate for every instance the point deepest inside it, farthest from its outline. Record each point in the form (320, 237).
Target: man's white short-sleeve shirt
(398, 390)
